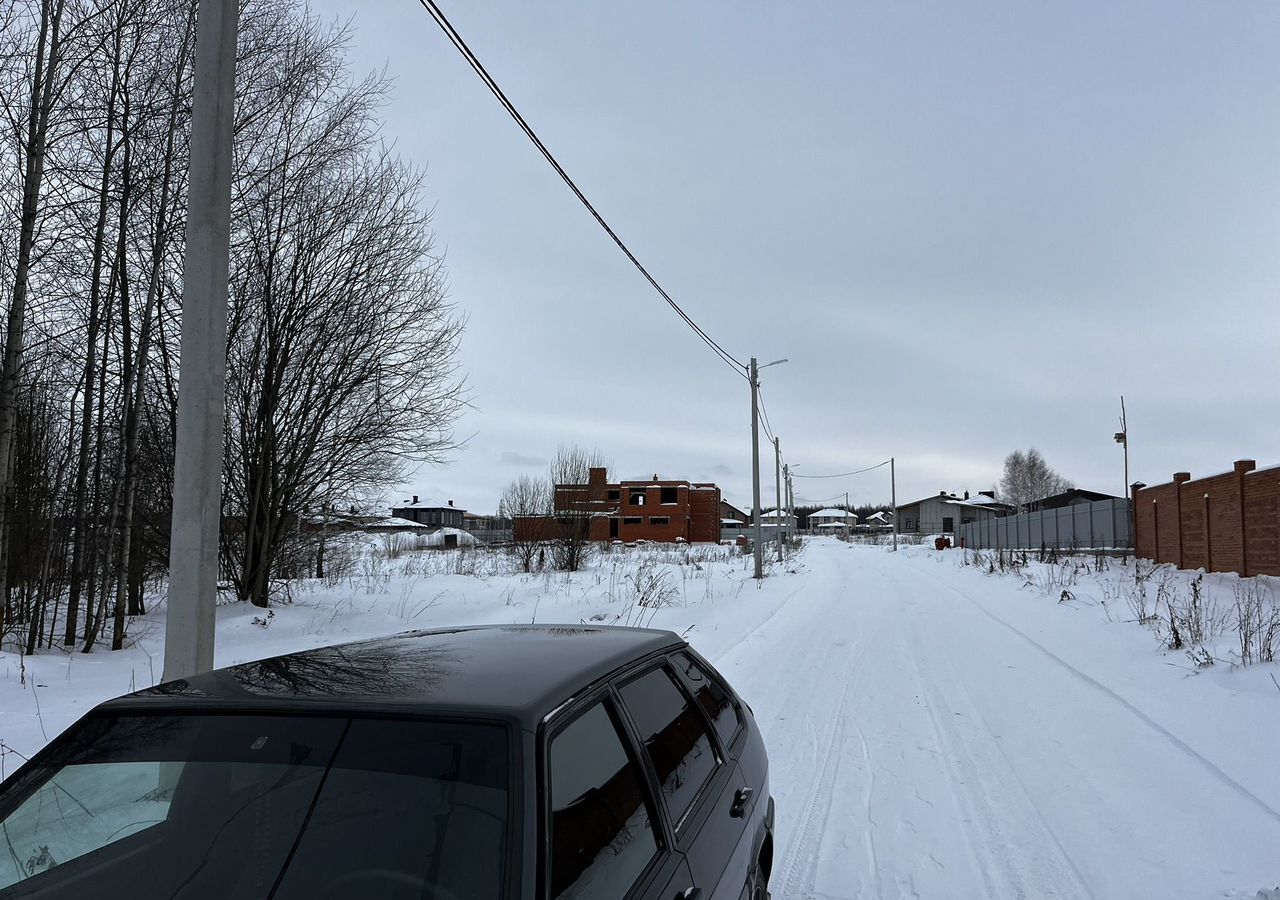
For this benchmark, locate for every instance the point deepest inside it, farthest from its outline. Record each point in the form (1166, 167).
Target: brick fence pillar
(1179, 479)
(1241, 467)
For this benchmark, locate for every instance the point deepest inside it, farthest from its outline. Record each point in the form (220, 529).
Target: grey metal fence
(1103, 524)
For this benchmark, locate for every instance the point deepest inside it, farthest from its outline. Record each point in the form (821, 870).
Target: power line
(764, 413)
(461, 45)
(843, 474)
(839, 496)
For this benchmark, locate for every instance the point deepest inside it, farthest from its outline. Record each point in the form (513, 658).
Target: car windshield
(231, 806)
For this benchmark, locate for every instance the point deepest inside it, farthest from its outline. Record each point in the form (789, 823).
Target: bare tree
(341, 343)
(342, 352)
(576, 501)
(1028, 478)
(528, 498)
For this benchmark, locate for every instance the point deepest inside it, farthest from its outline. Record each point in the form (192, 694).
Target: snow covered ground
(934, 730)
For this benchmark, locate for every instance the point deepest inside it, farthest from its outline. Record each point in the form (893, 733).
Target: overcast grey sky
(970, 226)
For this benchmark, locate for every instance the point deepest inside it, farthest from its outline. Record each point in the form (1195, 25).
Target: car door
(740, 739)
(605, 838)
(697, 783)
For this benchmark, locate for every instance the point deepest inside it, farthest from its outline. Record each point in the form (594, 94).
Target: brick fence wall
(1224, 523)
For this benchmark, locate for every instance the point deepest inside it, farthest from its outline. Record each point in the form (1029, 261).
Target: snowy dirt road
(933, 731)
(924, 746)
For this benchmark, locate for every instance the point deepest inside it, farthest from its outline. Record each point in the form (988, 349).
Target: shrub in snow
(1257, 621)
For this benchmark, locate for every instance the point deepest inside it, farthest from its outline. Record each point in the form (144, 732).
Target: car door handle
(690, 893)
(740, 801)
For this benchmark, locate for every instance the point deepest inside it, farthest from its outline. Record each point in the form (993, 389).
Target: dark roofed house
(729, 511)
(1069, 498)
(437, 513)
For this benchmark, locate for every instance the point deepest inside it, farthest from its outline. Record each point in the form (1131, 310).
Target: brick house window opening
(669, 496)
(659, 520)
(632, 520)
(614, 495)
(637, 498)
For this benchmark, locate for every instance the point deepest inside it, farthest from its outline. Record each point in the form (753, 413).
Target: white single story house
(841, 517)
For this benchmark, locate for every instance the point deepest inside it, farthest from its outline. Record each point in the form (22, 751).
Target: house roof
(942, 496)
(1077, 493)
(840, 513)
(881, 516)
(984, 500)
(427, 503)
(395, 522)
(969, 503)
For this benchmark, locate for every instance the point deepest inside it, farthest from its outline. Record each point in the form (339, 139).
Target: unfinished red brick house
(656, 509)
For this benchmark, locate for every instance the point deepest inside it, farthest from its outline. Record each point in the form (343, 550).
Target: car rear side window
(602, 838)
(675, 738)
(712, 697)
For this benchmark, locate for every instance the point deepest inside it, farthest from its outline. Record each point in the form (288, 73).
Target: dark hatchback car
(505, 762)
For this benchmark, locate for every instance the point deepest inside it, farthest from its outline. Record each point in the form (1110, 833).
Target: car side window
(602, 838)
(677, 742)
(712, 697)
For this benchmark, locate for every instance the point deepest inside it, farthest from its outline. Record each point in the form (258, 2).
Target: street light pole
(777, 490)
(1122, 437)
(197, 470)
(893, 501)
(754, 377)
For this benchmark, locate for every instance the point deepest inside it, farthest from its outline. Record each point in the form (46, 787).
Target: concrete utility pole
(777, 490)
(846, 515)
(755, 468)
(197, 472)
(755, 457)
(786, 496)
(791, 504)
(893, 501)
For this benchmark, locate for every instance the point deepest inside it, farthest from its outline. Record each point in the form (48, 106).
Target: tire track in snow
(796, 877)
(983, 764)
(1088, 680)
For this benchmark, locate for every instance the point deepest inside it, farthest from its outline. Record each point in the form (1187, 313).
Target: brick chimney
(596, 477)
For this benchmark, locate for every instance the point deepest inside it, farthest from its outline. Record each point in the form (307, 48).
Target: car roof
(512, 671)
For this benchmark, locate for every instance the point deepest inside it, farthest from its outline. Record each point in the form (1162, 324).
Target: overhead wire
(764, 414)
(456, 39)
(839, 496)
(844, 474)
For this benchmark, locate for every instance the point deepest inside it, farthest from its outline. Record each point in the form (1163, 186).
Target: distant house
(881, 519)
(729, 511)
(774, 518)
(1069, 498)
(942, 514)
(663, 510)
(433, 513)
(828, 519)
